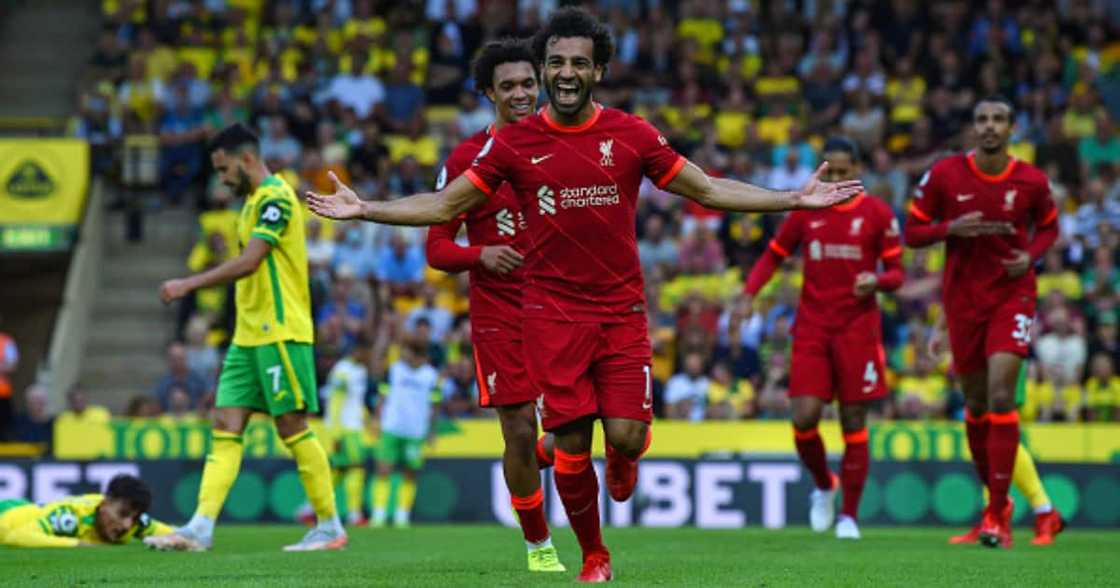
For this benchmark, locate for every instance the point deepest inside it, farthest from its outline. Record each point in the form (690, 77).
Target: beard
(243, 187)
(582, 97)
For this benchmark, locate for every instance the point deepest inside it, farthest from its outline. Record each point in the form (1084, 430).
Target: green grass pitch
(454, 556)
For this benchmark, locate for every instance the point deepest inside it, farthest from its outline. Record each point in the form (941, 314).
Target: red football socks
(1003, 443)
(976, 428)
(853, 470)
(811, 449)
(530, 511)
(578, 487)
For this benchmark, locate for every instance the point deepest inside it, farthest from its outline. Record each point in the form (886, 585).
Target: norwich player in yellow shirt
(91, 519)
(270, 367)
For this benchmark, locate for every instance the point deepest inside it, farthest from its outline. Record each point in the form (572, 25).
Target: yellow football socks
(380, 499)
(314, 471)
(219, 473)
(354, 480)
(407, 494)
(1027, 481)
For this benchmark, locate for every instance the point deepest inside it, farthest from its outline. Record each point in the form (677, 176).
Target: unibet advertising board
(706, 493)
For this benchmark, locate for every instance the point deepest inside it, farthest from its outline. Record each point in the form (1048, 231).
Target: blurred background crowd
(379, 93)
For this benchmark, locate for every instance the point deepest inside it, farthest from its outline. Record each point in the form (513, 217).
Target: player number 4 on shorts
(870, 376)
(274, 371)
(1022, 332)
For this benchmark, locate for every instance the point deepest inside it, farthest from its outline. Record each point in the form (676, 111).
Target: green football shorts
(276, 378)
(394, 449)
(350, 450)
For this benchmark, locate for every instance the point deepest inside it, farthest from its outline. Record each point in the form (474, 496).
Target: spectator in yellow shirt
(729, 398)
(1056, 277)
(1102, 389)
(905, 91)
(922, 392)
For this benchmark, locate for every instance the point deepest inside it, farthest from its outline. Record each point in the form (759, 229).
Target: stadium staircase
(130, 327)
(44, 48)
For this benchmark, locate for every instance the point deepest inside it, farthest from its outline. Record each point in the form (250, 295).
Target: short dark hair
(997, 99)
(495, 53)
(843, 145)
(234, 138)
(132, 490)
(575, 22)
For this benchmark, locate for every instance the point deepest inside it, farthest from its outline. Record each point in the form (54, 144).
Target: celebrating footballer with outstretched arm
(837, 344)
(997, 218)
(575, 168)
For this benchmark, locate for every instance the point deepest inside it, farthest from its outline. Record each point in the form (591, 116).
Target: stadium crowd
(378, 92)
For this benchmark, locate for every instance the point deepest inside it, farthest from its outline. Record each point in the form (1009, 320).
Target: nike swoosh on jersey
(535, 160)
(965, 197)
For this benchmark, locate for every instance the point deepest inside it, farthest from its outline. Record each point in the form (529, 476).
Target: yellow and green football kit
(64, 523)
(270, 367)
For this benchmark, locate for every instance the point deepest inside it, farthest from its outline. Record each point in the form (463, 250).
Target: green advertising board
(708, 493)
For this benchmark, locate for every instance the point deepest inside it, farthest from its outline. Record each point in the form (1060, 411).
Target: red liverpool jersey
(495, 298)
(975, 281)
(578, 189)
(837, 244)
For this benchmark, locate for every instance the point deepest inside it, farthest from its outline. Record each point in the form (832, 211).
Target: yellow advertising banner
(167, 438)
(43, 186)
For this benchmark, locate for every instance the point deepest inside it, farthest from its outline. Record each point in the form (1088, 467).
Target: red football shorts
(500, 370)
(847, 365)
(1007, 328)
(587, 368)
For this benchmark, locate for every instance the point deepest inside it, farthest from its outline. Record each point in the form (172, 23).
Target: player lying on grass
(575, 168)
(1048, 521)
(113, 518)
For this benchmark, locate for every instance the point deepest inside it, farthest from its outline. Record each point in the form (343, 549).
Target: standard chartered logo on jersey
(578, 197)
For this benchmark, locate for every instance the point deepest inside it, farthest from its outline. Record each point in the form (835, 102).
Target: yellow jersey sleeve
(273, 216)
(34, 534)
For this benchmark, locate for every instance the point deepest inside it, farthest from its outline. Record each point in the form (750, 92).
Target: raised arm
(428, 208)
(723, 194)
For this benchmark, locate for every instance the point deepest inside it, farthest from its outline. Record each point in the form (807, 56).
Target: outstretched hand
(819, 194)
(344, 204)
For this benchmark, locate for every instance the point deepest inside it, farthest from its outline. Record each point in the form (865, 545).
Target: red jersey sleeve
(781, 247)
(442, 251)
(921, 226)
(445, 254)
(789, 235)
(890, 237)
(660, 162)
(491, 166)
(890, 251)
(1045, 215)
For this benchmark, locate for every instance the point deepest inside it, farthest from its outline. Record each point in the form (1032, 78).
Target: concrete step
(140, 266)
(158, 315)
(150, 340)
(114, 302)
(123, 370)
